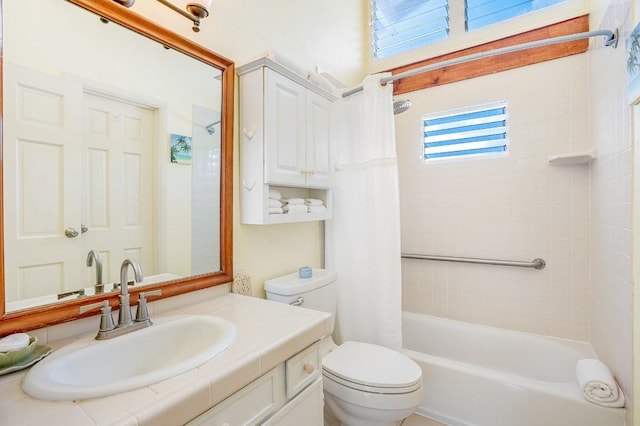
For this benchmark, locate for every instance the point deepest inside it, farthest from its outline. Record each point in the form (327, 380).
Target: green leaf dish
(38, 353)
(9, 358)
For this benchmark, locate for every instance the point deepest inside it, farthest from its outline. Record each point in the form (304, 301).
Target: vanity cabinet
(285, 142)
(289, 394)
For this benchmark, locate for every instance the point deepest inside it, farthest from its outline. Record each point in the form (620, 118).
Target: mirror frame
(45, 315)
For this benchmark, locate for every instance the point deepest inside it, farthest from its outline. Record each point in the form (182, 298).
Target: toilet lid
(372, 365)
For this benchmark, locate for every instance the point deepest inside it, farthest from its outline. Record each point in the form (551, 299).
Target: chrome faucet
(92, 256)
(108, 329)
(124, 316)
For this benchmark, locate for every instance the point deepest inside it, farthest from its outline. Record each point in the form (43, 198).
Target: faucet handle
(142, 313)
(106, 319)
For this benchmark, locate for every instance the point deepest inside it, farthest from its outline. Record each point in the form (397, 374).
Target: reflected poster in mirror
(87, 156)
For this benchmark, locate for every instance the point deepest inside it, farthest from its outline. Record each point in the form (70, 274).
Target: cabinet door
(250, 405)
(305, 409)
(318, 159)
(284, 131)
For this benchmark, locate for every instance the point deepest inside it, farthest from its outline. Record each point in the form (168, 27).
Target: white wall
(610, 126)
(516, 207)
(329, 34)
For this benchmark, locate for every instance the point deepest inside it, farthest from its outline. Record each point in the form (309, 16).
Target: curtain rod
(611, 40)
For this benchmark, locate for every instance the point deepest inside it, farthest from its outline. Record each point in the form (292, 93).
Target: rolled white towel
(293, 201)
(14, 341)
(597, 383)
(295, 208)
(276, 210)
(274, 203)
(275, 194)
(317, 209)
(313, 202)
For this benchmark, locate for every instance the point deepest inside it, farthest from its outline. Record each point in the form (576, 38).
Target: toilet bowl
(364, 384)
(368, 384)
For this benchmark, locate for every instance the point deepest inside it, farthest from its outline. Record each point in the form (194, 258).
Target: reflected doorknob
(71, 232)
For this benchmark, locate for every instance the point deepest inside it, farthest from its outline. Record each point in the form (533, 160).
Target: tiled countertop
(268, 333)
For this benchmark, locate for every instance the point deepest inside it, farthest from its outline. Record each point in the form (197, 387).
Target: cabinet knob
(309, 367)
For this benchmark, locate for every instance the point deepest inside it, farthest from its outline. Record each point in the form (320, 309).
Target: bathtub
(484, 376)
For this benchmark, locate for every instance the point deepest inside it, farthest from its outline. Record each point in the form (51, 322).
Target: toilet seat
(372, 368)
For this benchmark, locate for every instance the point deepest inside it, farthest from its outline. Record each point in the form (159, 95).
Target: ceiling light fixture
(195, 10)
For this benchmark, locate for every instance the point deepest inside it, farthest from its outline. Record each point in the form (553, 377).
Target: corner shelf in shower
(571, 158)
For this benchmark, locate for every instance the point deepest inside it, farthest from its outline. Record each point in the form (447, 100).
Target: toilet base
(335, 414)
(331, 420)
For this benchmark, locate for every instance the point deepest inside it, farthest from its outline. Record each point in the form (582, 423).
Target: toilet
(364, 384)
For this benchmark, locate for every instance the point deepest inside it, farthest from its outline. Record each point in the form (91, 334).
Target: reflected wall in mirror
(90, 174)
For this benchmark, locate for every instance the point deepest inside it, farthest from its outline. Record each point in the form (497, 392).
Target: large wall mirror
(116, 144)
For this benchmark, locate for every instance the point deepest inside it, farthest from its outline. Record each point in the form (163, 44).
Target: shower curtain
(363, 238)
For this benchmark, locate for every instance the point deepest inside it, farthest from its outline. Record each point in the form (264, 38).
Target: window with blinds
(400, 25)
(474, 131)
(481, 13)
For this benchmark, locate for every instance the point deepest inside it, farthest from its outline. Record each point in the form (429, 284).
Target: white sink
(92, 368)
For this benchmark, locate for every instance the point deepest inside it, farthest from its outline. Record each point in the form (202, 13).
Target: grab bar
(536, 263)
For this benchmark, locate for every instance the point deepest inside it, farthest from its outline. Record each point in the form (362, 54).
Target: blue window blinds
(481, 13)
(472, 131)
(400, 25)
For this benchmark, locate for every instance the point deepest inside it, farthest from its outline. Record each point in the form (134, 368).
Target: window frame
(459, 39)
(462, 111)
(509, 17)
(394, 37)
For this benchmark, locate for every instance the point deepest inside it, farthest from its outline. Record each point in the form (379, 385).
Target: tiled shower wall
(516, 207)
(611, 176)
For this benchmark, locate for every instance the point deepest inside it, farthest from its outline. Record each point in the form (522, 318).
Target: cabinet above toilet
(285, 141)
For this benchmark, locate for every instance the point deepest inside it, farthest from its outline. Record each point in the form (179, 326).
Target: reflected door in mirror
(42, 182)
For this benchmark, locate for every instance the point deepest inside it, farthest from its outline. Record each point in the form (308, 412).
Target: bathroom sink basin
(92, 368)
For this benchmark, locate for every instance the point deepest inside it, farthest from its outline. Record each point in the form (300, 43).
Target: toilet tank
(318, 292)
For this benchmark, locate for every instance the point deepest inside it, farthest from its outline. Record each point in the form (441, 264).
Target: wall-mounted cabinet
(285, 141)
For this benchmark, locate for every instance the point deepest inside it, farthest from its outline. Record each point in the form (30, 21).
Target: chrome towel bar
(536, 263)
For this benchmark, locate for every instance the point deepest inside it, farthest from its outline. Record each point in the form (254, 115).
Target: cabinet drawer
(302, 369)
(251, 405)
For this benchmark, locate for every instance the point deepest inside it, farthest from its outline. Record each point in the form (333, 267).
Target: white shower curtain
(363, 238)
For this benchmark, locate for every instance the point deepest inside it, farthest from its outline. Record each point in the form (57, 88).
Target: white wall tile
(578, 218)
(515, 207)
(609, 313)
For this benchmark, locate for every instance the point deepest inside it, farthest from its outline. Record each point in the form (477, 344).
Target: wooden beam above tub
(499, 63)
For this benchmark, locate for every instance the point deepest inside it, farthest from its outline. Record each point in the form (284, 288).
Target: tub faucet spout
(94, 255)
